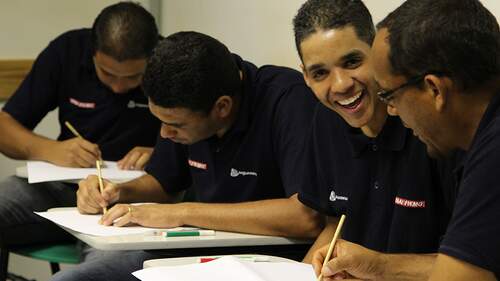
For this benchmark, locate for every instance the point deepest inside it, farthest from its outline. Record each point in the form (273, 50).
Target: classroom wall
(258, 30)
(30, 24)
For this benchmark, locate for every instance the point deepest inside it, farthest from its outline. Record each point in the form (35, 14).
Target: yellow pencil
(332, 245)
(73, 130)
(101, 185)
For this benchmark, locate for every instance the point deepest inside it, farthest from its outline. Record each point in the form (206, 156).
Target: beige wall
(27, 26)
(258, 30)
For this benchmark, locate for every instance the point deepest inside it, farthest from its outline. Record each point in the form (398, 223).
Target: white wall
(258, 30)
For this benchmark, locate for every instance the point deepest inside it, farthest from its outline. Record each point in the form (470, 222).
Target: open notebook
(230, 269)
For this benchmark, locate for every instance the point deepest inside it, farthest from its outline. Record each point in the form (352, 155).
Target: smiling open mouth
(352, 102)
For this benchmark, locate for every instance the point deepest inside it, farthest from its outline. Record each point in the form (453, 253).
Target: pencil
(101, 185)
(332, 245)
(72, 129)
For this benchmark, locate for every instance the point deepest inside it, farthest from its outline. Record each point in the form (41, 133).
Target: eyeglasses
(387, 95)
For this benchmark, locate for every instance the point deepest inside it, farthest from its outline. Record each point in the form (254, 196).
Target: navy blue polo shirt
(257, 158)
(474, 231)
(387, 186)
(64, 76)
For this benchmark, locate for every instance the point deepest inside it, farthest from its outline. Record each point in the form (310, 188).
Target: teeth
(350, 100)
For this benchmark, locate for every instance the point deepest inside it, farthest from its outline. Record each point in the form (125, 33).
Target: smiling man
(358, 160)
(437, 63)
(93, 77)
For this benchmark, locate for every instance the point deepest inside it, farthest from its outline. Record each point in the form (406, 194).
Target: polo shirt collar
(392, 137)
(492, 111)
(245, 113)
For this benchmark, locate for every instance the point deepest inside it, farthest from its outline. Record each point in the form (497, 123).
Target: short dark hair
(190, 70)
(457, 38)
(125, 31)
(317, 15)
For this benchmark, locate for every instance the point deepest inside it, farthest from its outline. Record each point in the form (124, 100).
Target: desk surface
(22, 172)
(154, 242)
(190, 260)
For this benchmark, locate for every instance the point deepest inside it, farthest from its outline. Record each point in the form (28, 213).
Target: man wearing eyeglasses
(359, 161)
(440, 73)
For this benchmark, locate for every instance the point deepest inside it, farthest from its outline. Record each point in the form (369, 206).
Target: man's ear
(222, 107)
(439, 88)
(304, 74)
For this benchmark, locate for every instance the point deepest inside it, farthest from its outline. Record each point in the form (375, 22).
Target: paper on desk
(88, 224)
(230, 269)
(39, 171)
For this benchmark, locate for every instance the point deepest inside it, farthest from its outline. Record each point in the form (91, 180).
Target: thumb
(335, 266)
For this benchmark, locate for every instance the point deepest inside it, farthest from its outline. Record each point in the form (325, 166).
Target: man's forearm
(280, 217)
(20, 143)
(407, 267)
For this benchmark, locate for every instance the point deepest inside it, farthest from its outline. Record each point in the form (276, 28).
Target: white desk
(190, 260)
(154, 242)
(22, 172)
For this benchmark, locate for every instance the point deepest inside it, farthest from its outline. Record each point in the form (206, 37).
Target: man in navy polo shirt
(439, 71)
(231, 132)
(93, 78)
(358, 161)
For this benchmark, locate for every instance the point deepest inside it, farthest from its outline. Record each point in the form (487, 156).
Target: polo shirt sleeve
(38, 93)
(168, 165)
(313, 190)
(473, 234)
(292, 121)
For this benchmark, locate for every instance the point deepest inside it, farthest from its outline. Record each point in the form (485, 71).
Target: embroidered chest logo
(334, 197)
(235, 173)
(196, 164)
(81, 104)
(133, 104)
(409, 203)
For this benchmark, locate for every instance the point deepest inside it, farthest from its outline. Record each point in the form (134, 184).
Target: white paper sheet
(39, 171)
(230, 269)
(88, 224)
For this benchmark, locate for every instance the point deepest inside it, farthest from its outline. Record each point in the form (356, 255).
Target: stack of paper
(230, 269)
(88, 224)
(39, 171)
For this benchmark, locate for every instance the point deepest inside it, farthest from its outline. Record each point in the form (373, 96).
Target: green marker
(181, 233)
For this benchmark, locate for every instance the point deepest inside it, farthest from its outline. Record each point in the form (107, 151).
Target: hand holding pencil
(331, 246)
(75, 152)
(90, 199)
(345, 260)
